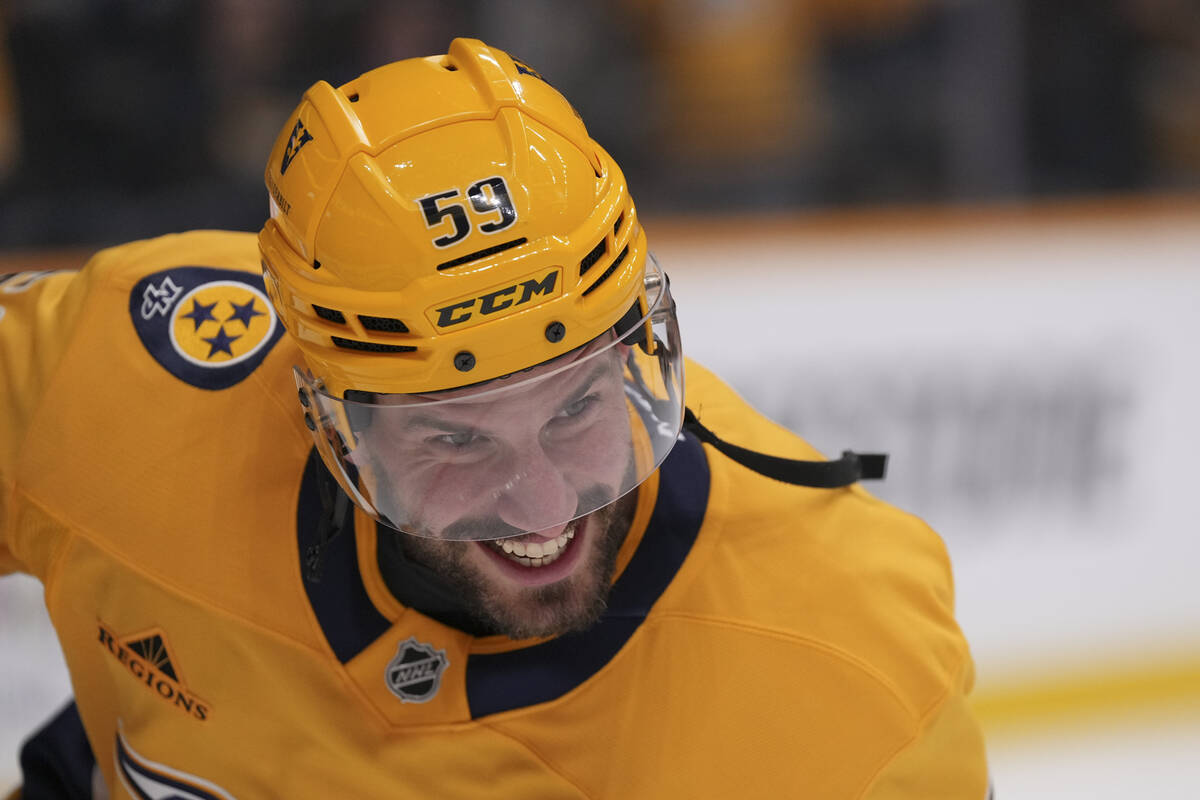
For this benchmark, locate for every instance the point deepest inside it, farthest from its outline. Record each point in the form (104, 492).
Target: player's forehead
(560, 374)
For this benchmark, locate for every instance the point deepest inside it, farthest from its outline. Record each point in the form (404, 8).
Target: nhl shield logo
(415, 673)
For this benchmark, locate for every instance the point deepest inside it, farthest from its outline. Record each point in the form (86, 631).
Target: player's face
(496, 470)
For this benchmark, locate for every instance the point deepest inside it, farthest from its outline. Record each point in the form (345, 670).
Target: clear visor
(523, 453)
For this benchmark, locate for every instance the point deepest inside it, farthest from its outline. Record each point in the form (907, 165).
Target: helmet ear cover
(641, 335)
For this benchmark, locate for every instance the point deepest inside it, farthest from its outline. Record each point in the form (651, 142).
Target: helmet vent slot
(591, 258)
(611, 269)
(617, 224)
(353, 98)
(330, 314)
(384, 324)
(371, 347)
(484, 253)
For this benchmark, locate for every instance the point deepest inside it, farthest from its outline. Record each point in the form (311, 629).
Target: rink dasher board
(1036, 387)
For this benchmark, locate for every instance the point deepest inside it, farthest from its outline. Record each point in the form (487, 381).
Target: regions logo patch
(415, 673)
(147, 657)
(150, 780)
(208, 327)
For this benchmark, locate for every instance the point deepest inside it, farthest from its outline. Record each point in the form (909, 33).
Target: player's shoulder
(152, 277)
(195, 302)
(131, 261)
(720, 408)
(64, 333)
(835, 569)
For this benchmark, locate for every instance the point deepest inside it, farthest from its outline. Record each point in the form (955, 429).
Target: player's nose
(537, 495)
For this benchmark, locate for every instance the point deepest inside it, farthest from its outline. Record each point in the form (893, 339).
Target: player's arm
(57, 762)
(39, 313)
(946, 759)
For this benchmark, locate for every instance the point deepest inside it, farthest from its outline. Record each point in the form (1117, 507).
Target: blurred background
(126, 118)
(963, 231)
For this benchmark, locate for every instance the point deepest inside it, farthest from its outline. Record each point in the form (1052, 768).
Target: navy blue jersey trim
(498, 682)
(57, 761)
(348, 618)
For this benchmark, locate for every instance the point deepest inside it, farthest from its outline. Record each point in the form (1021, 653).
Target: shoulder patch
(208, 327)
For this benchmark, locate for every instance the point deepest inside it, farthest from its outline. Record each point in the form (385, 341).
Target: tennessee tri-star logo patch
(415, 673)
(208, 327)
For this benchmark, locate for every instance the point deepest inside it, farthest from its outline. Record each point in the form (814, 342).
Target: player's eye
(461, 440)
(460, 447)
(578, 407)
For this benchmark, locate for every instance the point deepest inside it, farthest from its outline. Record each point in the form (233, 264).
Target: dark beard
(573, 604)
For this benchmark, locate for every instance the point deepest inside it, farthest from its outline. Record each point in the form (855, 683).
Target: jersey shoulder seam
(858, 663)
(917, 718)
(922, 720)
(75, 532)
(35, 417)
(536, 754)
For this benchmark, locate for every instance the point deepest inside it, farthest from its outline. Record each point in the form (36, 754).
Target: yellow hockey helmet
(490, 350)
(443, 221)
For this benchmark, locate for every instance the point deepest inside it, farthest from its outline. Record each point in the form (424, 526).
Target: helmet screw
(555, 331)
(464, 362)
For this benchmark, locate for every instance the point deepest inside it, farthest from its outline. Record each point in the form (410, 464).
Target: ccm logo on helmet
(504, 299)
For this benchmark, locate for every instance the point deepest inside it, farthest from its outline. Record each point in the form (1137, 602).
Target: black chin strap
(334, 507)
(848, 469)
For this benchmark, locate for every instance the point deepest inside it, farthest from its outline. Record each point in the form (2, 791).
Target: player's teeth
(536, 554)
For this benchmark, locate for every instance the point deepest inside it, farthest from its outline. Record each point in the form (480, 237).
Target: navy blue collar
(348, 618)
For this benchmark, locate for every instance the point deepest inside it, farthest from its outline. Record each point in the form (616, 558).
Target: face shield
(528, 452)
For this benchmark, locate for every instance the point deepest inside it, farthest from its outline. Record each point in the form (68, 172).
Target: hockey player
(406, 498)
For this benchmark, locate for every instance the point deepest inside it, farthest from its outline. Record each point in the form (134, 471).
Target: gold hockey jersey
(761, 640)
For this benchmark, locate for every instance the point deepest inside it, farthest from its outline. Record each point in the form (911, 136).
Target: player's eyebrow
(437, 424)
(443, 425)
(586, 385)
